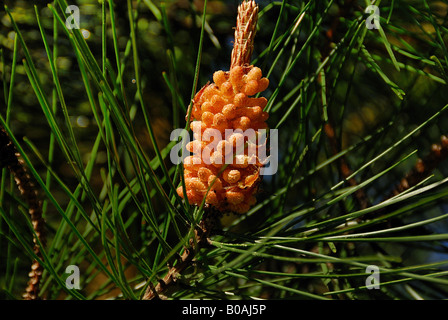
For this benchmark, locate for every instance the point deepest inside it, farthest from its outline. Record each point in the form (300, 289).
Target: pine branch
(241, 56)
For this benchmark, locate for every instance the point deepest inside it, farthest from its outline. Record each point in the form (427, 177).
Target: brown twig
(9, 157)
(424, 167)
(200, 240)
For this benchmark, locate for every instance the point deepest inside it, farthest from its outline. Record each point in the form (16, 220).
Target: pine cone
(223, 105)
